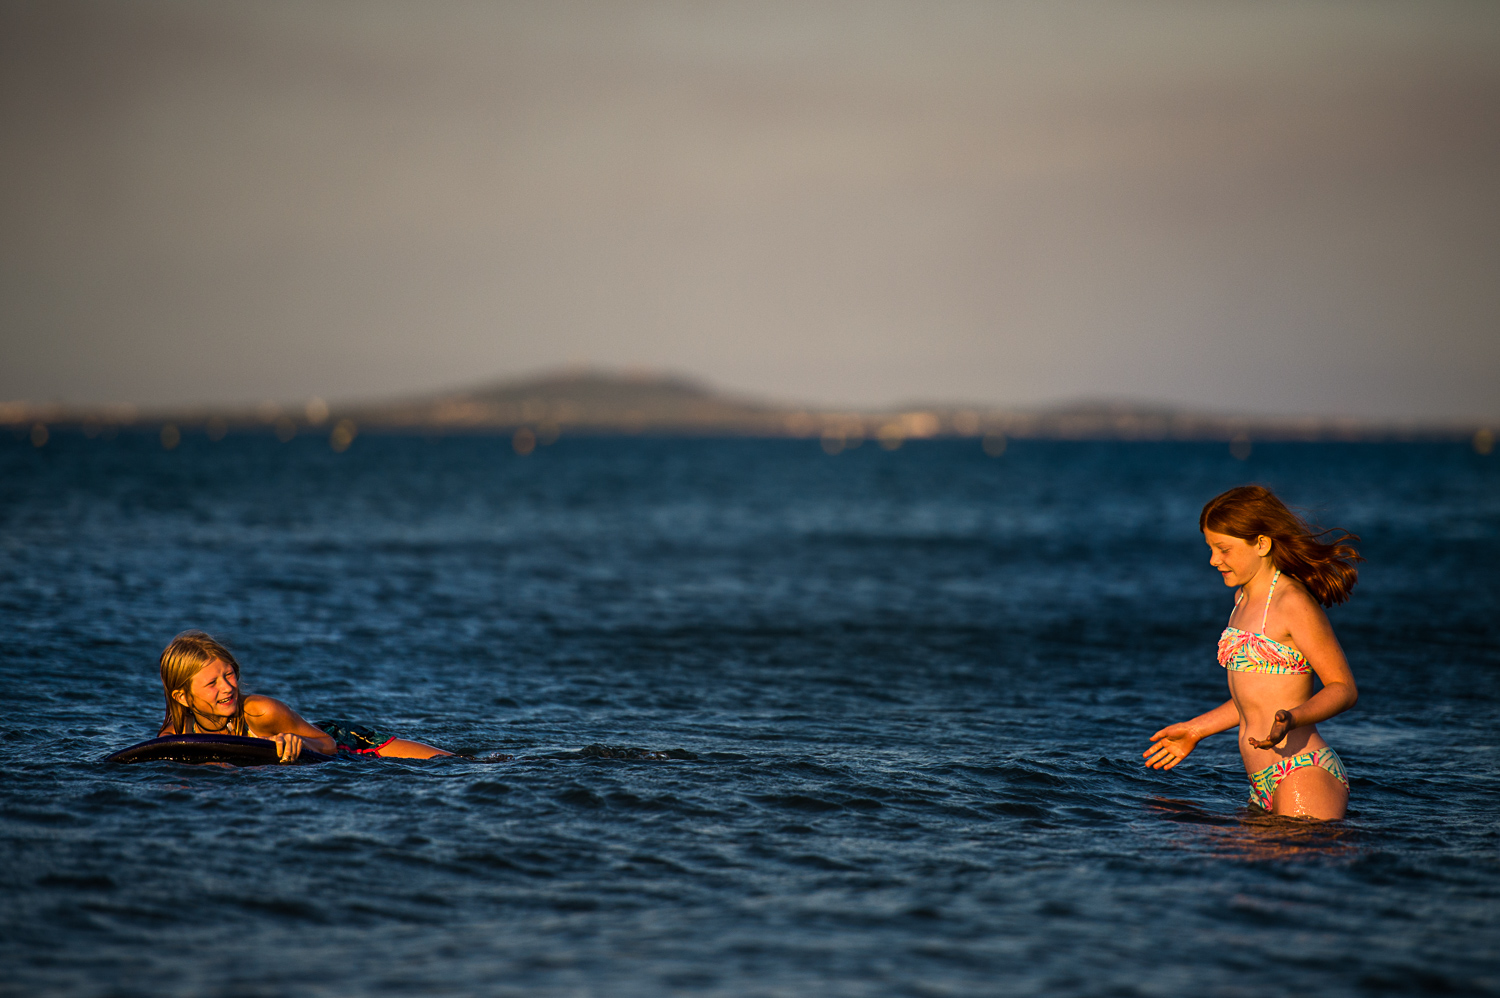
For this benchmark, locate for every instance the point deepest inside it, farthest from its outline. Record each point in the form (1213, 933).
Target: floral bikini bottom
(1263, 784)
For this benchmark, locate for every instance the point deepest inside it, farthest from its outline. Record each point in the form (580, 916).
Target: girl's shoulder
(1292, 591)
(258, 705)
(1295, 604)
(266, 716)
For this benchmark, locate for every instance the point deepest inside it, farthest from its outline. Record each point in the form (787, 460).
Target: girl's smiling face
(1237, 560)
(213, 692)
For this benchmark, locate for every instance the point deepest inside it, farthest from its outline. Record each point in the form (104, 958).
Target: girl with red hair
(1277, 640)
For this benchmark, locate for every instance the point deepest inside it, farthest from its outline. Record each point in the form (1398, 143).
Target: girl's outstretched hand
(1171, 745)
(1279, 728)
(288, 746)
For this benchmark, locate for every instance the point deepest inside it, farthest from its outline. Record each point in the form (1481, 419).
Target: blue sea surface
(916, 685)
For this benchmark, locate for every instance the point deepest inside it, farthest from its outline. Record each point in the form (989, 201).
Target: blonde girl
(201, 680)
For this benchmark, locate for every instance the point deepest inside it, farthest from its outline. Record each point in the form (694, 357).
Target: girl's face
(1237, 560)
(213, 692)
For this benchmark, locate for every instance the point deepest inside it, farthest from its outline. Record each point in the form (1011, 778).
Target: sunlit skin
(214, 692)
(1277, 715)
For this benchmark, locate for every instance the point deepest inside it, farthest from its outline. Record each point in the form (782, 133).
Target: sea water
(916, 685)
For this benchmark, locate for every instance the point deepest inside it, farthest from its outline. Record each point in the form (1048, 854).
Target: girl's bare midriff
(1257, 697)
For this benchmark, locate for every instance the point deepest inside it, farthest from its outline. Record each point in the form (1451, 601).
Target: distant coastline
(608, 403)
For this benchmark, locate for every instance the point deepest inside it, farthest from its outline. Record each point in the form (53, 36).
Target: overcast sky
(1260, 207)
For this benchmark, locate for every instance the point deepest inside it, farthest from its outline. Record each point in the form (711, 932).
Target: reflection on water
(1254, 835)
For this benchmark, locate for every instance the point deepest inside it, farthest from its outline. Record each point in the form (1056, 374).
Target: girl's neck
(1260, 584)
(211, 729)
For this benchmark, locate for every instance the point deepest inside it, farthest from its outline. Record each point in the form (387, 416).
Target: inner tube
(232, 749)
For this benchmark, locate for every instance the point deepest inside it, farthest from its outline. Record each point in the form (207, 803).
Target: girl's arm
(1175, 742)
(1312, 634)
(286, 728)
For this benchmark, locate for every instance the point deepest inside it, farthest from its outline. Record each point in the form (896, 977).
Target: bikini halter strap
(1263, 616)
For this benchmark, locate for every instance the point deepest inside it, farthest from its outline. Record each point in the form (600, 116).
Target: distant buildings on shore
(596, 403)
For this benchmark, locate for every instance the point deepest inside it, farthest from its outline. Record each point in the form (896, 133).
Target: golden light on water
(342, 435)
(1255, 838)
(317, 411)
(1484, 441)
(891, 436)
(39, 435)
(524, 441)
(841, 432)
(171, 436)
(920, 424)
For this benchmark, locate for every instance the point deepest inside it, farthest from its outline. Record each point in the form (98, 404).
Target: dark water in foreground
(917, 683)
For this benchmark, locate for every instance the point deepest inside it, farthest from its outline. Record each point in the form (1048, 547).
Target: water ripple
(746, 720)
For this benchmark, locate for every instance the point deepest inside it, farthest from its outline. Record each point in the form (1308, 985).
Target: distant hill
(605, 402)
(593, 401)
(608, 402)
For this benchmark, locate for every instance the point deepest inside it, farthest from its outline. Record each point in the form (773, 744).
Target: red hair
(1251, 511)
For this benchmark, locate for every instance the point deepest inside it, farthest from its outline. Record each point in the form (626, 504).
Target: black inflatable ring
(231, 749)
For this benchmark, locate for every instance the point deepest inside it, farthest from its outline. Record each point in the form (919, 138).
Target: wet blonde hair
(180, 662)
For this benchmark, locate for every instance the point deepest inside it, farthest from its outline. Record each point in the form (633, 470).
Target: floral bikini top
(1245, 651)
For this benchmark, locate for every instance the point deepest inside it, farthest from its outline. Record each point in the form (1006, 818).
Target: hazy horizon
(1260, 208)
